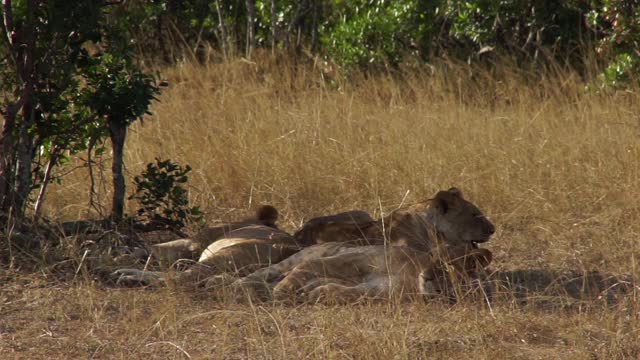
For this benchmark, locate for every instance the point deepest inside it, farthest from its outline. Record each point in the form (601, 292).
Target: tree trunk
(223, 30)
(251, 27)
(294, 23)
(45, 183)
(25, 69)
(118, 133)
(22, 185)
(7, 140)
(162, 41)
(315, 8)
(7, 146)
(274, 24)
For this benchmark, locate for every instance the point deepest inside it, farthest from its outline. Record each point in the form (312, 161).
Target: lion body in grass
(192, 248)
(448, 217)
(355, 258)
(343, 273)
(410, 237)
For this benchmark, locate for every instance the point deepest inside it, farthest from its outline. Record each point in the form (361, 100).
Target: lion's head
(456, 220)
(267, 215)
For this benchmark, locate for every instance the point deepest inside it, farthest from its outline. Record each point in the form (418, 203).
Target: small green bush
(163, 199)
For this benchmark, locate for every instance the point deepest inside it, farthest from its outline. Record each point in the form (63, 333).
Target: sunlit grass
(555, 168)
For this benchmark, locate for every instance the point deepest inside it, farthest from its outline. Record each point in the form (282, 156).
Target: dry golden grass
(556, 169)
(42, 319)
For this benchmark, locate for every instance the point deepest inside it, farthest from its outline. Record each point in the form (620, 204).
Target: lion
(345, 226)
(447, 223)
(447, 216)
(240, 252)
(191, 248)
(341, 273)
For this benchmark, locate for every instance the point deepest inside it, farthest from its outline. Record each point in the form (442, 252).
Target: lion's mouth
(474, 243)
(481, 240)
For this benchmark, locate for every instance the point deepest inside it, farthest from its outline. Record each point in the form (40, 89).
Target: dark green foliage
(520, 27)
(41, 47)
(378, 34)
(367, 33)
(59, 97)
(117, 88)
(617, 25)
(163, 199)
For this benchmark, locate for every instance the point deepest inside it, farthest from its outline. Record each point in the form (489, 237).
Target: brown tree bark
(24, 152)
(274, 24)
(118, 134)
(15, 141)
(293, 29)
(45, 183)
(315, 8)
(251, 27)
(7, 144)
(26, 69)
(224, 38)
(8, 122)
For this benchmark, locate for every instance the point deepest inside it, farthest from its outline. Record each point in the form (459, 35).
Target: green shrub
(163, 199)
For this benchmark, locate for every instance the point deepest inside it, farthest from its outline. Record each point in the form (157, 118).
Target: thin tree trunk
(22, 184)
(223, 30)
(315, 9)
(92, 183)
(293, 24)
(24, 155)
(118, 133)
(251, 27)
(274, 25)
(9, 120)
(45, 183)
(7, 146)
(18, 54)
(164, 48)
(238, 31)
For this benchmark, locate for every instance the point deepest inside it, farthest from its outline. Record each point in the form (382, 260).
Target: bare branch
(7, 27)
(7, 19)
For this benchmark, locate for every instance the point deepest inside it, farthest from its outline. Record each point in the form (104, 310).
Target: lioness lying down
(338, 272)
(427, 238)
(191, 248)
(448, 216)
(345, 226)
(241, 251)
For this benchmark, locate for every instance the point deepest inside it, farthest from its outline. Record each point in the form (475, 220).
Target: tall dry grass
(555, 167)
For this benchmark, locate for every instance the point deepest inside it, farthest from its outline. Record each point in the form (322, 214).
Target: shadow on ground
(553, 288)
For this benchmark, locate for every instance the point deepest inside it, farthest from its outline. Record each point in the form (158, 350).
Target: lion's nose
(491, 230)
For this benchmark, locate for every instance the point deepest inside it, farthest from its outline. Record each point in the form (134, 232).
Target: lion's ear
(444, 200)
(267, 215)
(482, 257)
(456, 192)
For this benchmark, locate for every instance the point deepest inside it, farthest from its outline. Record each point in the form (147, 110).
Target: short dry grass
(556, 168)
(42, 320)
